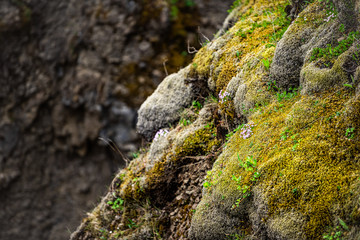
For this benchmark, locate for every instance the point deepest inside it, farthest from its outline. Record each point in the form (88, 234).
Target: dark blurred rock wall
(72, 71)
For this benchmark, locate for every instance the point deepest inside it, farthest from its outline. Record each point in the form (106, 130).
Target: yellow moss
(307, 168)
(201, 63)
(228, 71)
(247, 39)
(200, 143)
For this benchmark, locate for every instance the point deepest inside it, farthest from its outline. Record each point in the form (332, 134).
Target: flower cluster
(161, 132)
(223, 97)
(330, 17)
(246, 130)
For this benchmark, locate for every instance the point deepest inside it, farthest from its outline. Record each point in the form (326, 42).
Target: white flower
(161, 132)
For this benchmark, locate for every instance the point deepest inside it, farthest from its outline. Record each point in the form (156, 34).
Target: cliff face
(258, 138)
(70, 72)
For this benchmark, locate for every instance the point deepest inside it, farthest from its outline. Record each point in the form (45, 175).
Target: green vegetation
(266, 62)
(300, 159)
(287, 95)
(338, 232)
(249, 165)
(197, 105)
(131, 224)
(117, 204)
(350, 133)
(235, 4)
(185, 122)
(330, 53)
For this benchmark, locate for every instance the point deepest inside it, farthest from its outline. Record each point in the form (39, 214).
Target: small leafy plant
(266, 63)
(287, 95)
(131, 224)
(249, 165)
(197, 105)
(117, 204)
(350, 133)
(338, 232)
(332, 52)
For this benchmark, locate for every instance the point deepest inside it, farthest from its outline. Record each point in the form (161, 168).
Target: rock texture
(279, 129)
(71, 72)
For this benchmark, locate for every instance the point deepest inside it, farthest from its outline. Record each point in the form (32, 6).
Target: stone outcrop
(271, 152)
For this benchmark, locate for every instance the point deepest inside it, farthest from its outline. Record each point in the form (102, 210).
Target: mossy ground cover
(303, 153)
(307, 165)
(261, 25)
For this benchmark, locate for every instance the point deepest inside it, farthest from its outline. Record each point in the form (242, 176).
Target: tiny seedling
(197, 105)
(350, 133)
(117, 204)
(266, 63)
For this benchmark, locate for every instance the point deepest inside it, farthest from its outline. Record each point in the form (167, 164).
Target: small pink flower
(161, 132)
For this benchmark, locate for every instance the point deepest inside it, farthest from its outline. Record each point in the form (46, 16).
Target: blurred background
(72, 71)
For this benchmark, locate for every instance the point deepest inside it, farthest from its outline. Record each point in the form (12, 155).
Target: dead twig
(164, 64)
(191, 50)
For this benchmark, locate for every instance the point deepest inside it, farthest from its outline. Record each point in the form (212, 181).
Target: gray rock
(162, 108)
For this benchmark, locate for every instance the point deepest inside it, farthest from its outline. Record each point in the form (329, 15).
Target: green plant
(337, 233)
(131, 224)
(249, 165)
(189, 3)
(175, 6)
(240, 33)
(117, 204)
(330, 52)
(284, 134)
(206, 184)
(197, 105)
(266, 63)
(272, 86)
(330, 8)
(235, 236)
(350, 133)
(104, 234)
(287, 95)
(295, 141)
(230, 134)
(348, 85)
(235, 4)
(184, 122)
(238, 54)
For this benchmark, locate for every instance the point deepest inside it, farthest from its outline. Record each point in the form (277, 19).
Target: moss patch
(305, 168)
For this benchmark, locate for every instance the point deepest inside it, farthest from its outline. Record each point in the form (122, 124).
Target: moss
(307, 168)
(202, 142)
(227, 72)
(314, 79)
(201, 64)
(242, 51)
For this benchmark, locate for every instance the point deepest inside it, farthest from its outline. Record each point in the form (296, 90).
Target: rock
(162, 108)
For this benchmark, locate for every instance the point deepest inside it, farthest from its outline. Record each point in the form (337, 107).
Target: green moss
(308, 179)
(201, 63)
(315, 79)
(330, 53)
(202, 142)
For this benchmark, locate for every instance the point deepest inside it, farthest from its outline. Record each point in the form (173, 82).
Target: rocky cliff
(70, 72)
(258, 138)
